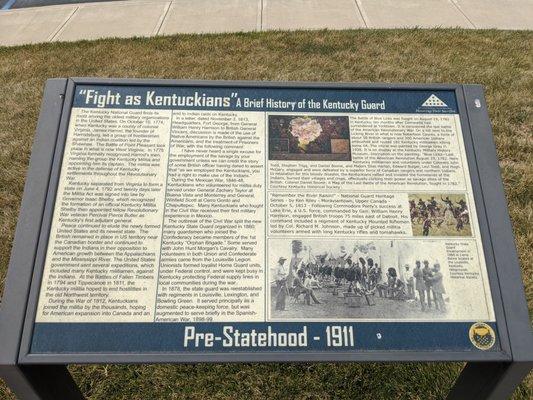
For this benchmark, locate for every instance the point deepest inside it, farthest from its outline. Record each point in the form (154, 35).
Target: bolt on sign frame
(37, 374)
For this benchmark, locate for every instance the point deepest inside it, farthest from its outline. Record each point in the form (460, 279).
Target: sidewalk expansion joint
(62, 26)
(361, 13)
(454, 3)
(162, 19)
(261, 10)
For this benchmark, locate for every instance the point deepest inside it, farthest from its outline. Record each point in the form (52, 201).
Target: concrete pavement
(164, 17)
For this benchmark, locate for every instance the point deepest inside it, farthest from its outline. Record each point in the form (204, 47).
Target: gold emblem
(482, 336)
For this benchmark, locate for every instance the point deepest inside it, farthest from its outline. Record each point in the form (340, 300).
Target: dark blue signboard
(58, 338)
(374, 294)
(266, 99)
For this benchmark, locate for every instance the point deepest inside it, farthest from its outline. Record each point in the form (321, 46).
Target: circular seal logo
(482, 336)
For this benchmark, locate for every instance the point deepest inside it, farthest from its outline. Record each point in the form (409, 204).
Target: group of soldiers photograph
(325, 278)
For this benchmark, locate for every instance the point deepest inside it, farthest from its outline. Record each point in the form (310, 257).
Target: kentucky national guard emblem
(482, 336)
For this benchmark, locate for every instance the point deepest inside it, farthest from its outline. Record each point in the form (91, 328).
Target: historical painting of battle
(439, 214)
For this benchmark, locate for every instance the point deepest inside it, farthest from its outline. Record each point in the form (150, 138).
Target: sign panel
(219, 219)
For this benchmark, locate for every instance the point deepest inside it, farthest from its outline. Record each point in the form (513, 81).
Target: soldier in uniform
(364, 273)
(420, 285)
(350, 274)
(448, 202)
(427, 275)
(303, 285)
(372, 274)
(438, 287)
(410, 282)
(426, 226)
(421, 205)
(460, 224)
(281, 282)
(358, 274)
(432, 206)
(379, 273)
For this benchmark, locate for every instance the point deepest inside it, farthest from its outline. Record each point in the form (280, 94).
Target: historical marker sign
(189, 221)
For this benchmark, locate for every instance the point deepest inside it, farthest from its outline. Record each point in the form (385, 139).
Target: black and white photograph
(306, 138)
(337, 279)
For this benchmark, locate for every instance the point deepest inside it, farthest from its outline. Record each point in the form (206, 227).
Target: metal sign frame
(18, 365)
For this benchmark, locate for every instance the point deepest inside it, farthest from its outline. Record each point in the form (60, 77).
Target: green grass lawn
(501, 61)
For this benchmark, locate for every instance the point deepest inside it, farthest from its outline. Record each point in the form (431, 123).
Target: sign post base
(489, 380)
(41, 382)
